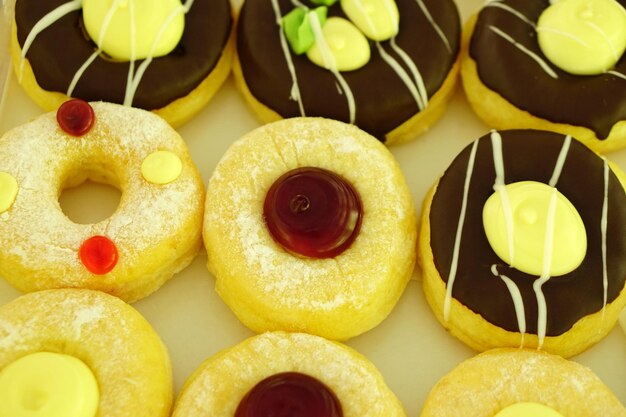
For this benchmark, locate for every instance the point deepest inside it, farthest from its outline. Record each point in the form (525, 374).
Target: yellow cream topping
(583, 37)
(518, 217)
(134, 29)
(8, 191)
(528, 409)
(161, 167)
(377, 19)
(342, 45)
(48, 384)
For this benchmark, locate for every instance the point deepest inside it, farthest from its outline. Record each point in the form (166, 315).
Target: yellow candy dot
(583, 37)
(517, 220)
(139, 28)
(377, 19)
(348, 48)
(528, 409)
(46, 384)
(8, 191)
(161, 167)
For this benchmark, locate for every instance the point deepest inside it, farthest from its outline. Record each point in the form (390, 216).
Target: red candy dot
(98, 254)
(289, 394)
(313, 212)
(75, 117)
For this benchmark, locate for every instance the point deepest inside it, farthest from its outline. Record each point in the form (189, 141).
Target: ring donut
(506, 75)
(154, 232)
(322, 239)
(63, 61)
(496, 382)
(398, 93)
(551, 302)
(267, 373)
(127, 358)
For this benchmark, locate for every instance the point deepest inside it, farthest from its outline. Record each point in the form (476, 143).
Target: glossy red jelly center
(75, 117)
(313, 212)
(98, 254)
(289, 394)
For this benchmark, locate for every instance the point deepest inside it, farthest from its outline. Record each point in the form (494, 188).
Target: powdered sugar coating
(219, 384)
(156, 228)
(127, 357)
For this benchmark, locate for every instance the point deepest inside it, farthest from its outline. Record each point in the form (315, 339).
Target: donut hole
(88, 197)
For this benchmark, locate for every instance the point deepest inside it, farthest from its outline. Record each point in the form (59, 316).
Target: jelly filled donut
(550, 65)
(521, 383)
(389, 66)
(523, 244)
(167, 56)
(154, 232)
(309, 226)
(80, 353)
(273, 372)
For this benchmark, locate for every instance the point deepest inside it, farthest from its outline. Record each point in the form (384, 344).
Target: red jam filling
(98, 254)
(289, 394)
(313, 212)
(75, 117)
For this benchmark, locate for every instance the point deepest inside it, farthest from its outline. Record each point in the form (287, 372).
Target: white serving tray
(410, 348)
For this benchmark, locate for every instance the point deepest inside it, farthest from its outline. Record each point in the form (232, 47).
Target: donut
(309, 226)
(407, 51)
(123, 52)
(154, 232)
(523, 62)
(276, 371)
(76, 353)
(510, 382)
(522, 243)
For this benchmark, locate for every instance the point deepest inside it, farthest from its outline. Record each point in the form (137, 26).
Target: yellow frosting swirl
(8, 191)
(583, 37)
(134, 29)
(377, 19)
(48, 384)
(528, 409)
(343, 46)
(161, 167)
(517, 220)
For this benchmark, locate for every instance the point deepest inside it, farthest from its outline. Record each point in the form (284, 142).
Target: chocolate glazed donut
(58, 52)
(596, 102)
(429, 33)
(588, 184)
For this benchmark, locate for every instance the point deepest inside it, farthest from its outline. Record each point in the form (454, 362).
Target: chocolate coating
(383, 101)
(596, 102)
(529, 155)
(60, 50)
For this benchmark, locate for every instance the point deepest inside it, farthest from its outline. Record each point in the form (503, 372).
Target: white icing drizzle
(560, 161)
(606, 38)
(459, 232)
(511, 10)
(295, 88)
(544, 65)
(603, 229)
(617, 74)
(500, 188)
(329, 61)
(48, 20)
(542, 310)
(434, 24)
(417, 88)
(562, 33)
(517, 299)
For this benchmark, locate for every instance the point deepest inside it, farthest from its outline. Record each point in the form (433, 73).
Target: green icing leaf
(298, 30)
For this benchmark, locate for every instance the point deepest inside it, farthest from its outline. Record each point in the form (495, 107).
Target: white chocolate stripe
(518, 301)
(542, 310)
(617, 74)
(603, 229)
(542, 63)
(500, 188)
(420, 97)
(512, 11)
(434, 24)
(560, 161)
(79, 73)
(604, 36)
(45, 22)
(417, 76)
(459, 232)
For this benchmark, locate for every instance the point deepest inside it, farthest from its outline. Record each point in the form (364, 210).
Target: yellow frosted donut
(496, 382)
(155, 231)
(291, 370)
(302, 283)
(119, 348)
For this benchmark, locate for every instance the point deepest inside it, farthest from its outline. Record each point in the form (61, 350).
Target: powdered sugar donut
(155, 231)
